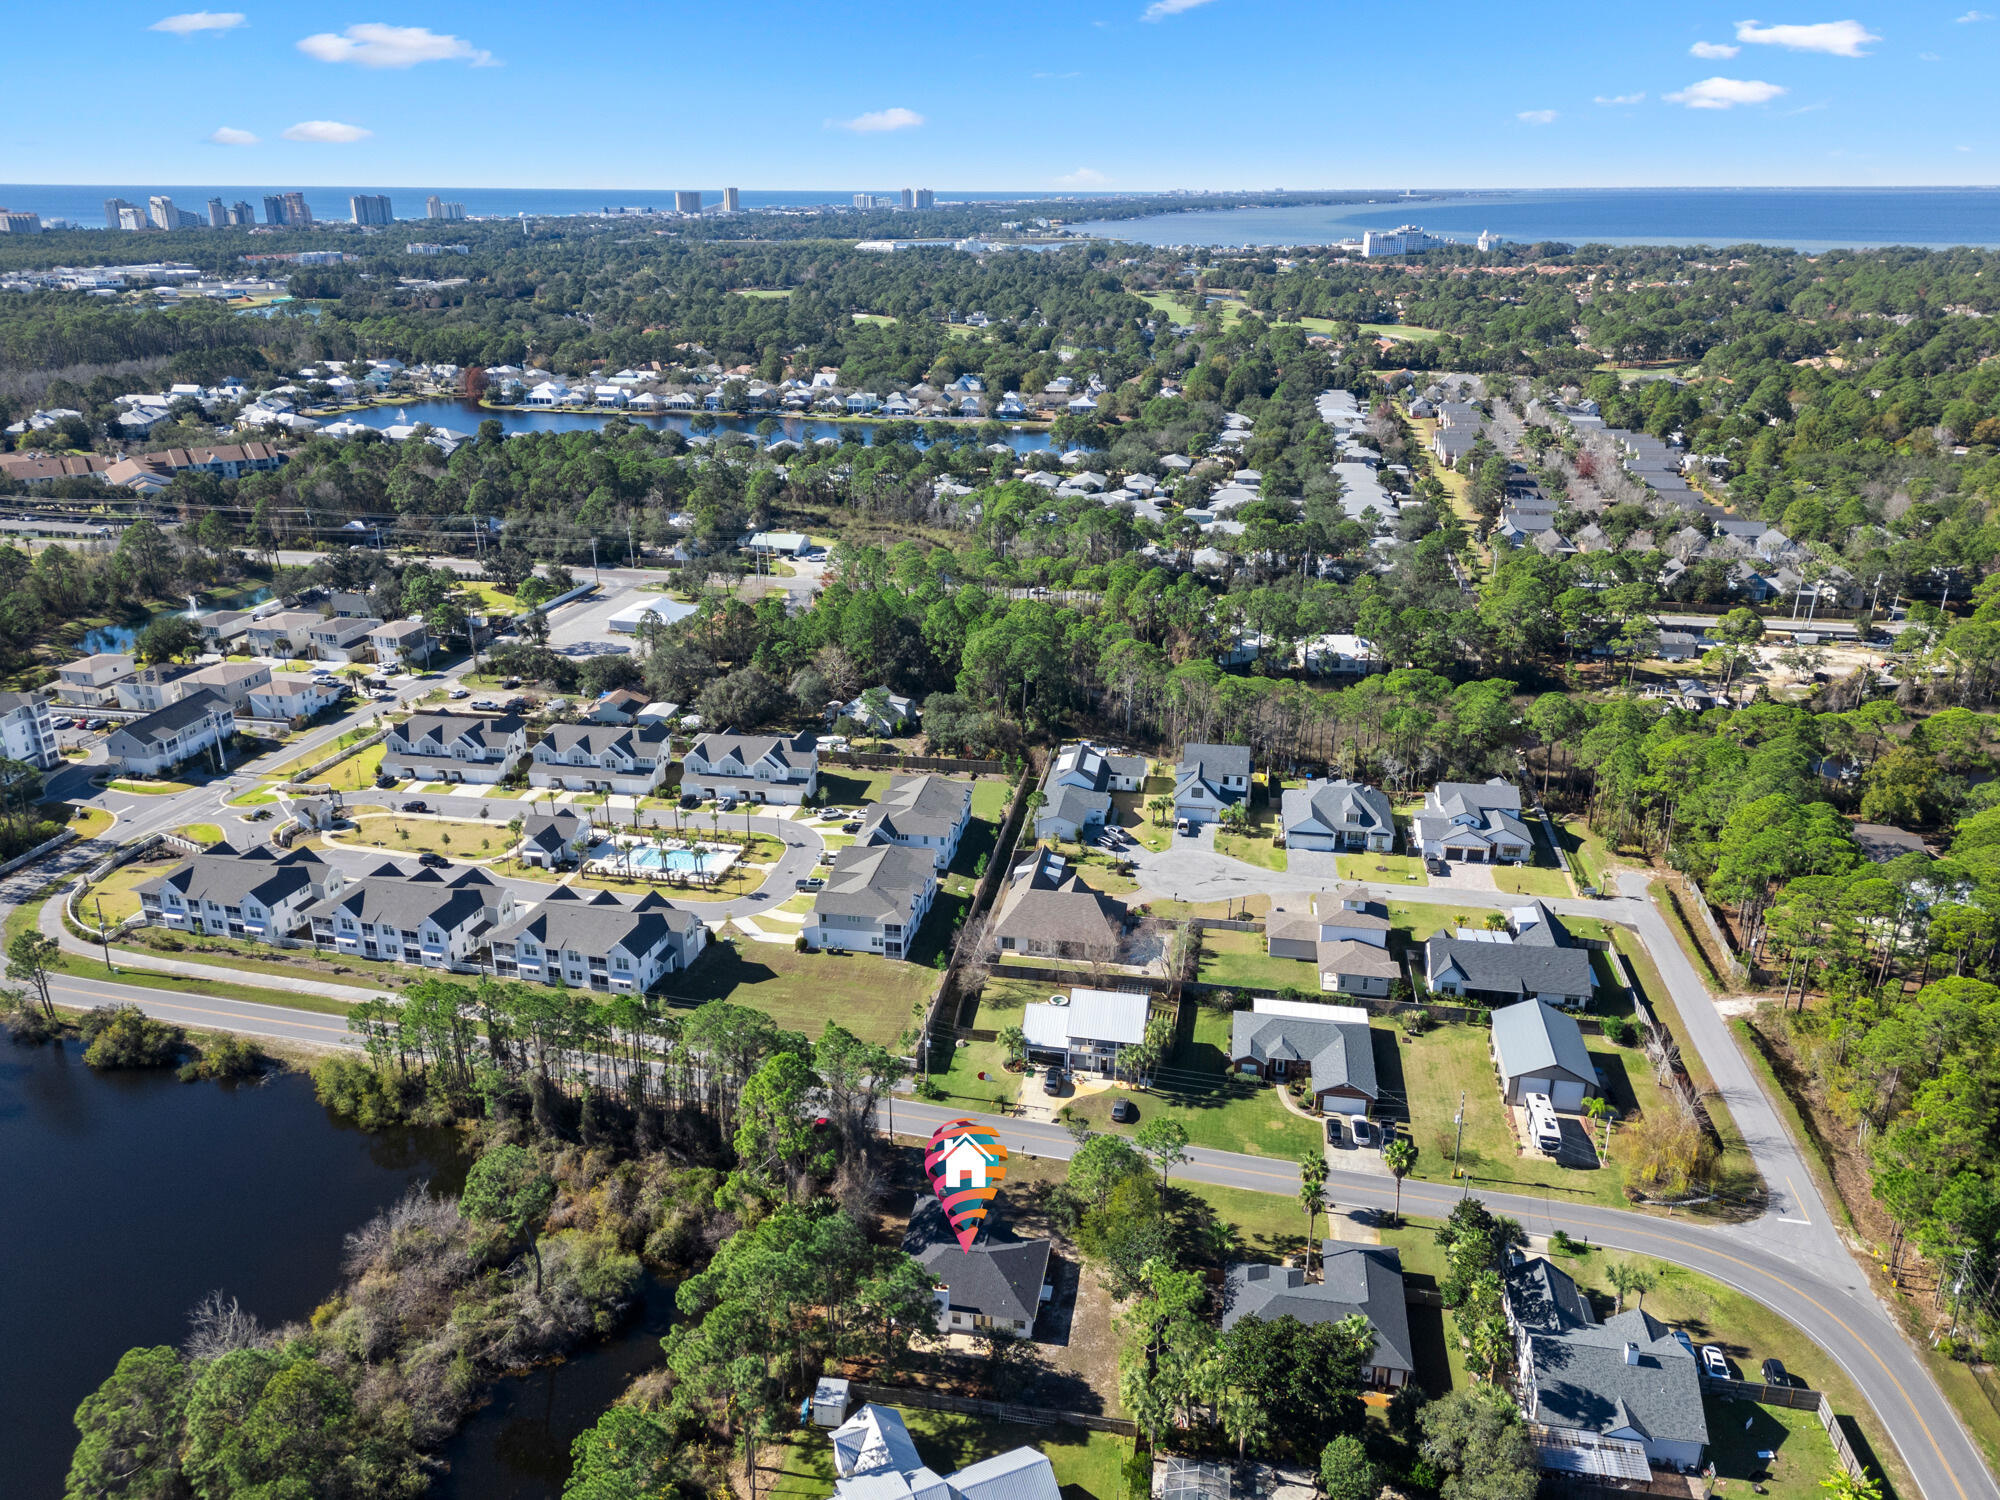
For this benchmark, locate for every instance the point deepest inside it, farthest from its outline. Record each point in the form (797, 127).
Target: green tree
(1476, 1439)
(130, 1430)
(1313, 1174)
(1100, 1164)
(1165, 1141)
(627, 1454)
(1345, 1472)
(31, 956)
(1400, 1157)
(508, 1187)
(776, 1122)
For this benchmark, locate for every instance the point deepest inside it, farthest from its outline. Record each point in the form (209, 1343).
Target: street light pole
(104, 935)
(1459, 1120)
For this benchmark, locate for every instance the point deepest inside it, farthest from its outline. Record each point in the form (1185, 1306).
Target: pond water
(465, 416)
(124, 637)
(130, 1196)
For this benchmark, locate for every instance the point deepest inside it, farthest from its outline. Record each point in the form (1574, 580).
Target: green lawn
(1238, 958)
(1129, 811)
(355, 774)
(1252, 848)
(201, 833)
(84, 821)
(1086, 1463)
(119, 891)
(999, 1007)
(1532, 880)
(418, 835)
(1219, 1108)
(875, 998)
(1381, 869)
(1428, 1076)
(257, 796)
(851, 787)
(149, 788)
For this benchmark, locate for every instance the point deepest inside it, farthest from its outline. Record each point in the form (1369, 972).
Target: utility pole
(595, 575)
(1459, 1120)
(104, 936)
(1957, 1289)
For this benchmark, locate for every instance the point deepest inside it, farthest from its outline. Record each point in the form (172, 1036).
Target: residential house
(1338, 655)
(779, 543)
(753, 767)
(89, 681)
(1343, 933)
(874, 1459)
(342, 638)
(220, 627)
(453, 747)
(920, 812)
(617, 706)
(1210, 779)
(351, 604)
(237, 682)
(602, 758)
(281, 634)
(149, 688)
(256, 893)
(874, 900)
(1337, 815)
(1538, 1049)
(285, 697)
(600, 943)
(1330, 1044)
(1613, 1399)
(1077, 792)
(27, 733)
(202, 722)
(878, 711)
(552, 841)
(1048, 912)
(1355, 1280)
(402, 643)
(1537, 959)
(1879, 843)
(1473, 823)
(1086, 1031)
(999, 1284)
(425, 919)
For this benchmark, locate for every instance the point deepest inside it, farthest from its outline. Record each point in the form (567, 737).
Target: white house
(601, 944)
(422, 919)
(874, 900)
(285, 697)
(1337, 815)
(1210, 779)
(401, 643)
(341, 638)
(89, 681)
(451, 747)
(256, 893)
(920, 812)
(753, 767)
(1085, 1030)
(200, 723)
(1473, 823)
(1077, 793)
(281, 634)
(26, 731)
(630, 759)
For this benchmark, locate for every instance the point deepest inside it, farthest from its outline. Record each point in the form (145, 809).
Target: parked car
(1124, 1112)
(1437, 867)
(1052, 1081)
(1334, 1137)
(690, 799)
(1362, 1129)
(1181, 825)
(432, 861)
(1712, 1362)
(516, 703)
(384, 782)
(809, 883)
(852, 825)
(510, 682)
(459, 692)
(422, 807)
(384, 697)
(485, 705)
(1775, 1373)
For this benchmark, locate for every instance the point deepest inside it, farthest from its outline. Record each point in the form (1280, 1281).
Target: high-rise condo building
(926, 198)
(240, 214)
(370, 208)
(218, 216)
(909, 198)
(112, 208)
(440, 208)
(13, 222)
(686, 202)
(274, 208)
(133, 217)
(732, 201)
(297, 210)
(160, 209)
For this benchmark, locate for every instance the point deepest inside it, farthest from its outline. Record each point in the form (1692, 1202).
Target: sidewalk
(51, 924)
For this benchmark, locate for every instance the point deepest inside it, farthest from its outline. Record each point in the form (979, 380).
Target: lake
(130, 1196)
(124, 637)
(465, 416)
(1811, 219)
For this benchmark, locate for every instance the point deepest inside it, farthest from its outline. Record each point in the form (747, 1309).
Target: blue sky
(1081, 94)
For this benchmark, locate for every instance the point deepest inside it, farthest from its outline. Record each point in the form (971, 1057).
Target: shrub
(1620, 1030)
(353, 1089)
(123, 1036)
(226, 1057)
(1416, 1022)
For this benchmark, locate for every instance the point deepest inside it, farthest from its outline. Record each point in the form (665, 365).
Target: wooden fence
(1796, 1397)
(999, 1411)
(873, 762)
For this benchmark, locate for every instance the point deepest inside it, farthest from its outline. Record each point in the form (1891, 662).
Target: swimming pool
(680, 861)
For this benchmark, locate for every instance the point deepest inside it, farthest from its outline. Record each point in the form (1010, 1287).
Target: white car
(459, 692)
(1713, 1364)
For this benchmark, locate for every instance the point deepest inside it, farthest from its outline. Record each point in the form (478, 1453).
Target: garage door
(1567, 1095)
(1527, 1086)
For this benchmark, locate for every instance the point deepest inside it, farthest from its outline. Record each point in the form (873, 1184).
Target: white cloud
(1055, 75)
(878, 120)
(1929, 57)
(1974, 15)
(1713, 51)
(199, 20)
(1159, 10)
(372, 44)
(326, 132)
(1638, 98)
(1725, 93)
(228, 135)
(1537, 117)
(1083, 177)
(1838, 38)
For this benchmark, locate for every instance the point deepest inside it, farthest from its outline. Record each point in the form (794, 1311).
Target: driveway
(1462, 877)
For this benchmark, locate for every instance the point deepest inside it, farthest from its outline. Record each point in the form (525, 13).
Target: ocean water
(1810, 219)
(85, 202)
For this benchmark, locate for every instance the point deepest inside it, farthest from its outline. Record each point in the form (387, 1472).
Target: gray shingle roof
(917, 807)
(226, 877)
(1365, 1279)
(1339, 806)
(1213, 761)
(1503, 968)
(439, 732)
(165, 723)
(1342, 1053)
(636, 740)
(566, 922)
(1000, 1277)
(875, 882)
(403, 901)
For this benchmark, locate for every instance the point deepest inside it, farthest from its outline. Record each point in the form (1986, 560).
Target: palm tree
(1643, 1282)
(1599, 1108)
(1400, 1157)
(1159, 807)
(1312, 1195)
(1624, 1281)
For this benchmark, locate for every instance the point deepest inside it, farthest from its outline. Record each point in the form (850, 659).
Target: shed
(829, 1401)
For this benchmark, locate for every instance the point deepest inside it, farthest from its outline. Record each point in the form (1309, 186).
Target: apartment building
(254, 893)
(90, 682)
(425, 919)
(874, 901)
(600, 943)
(631, 759)
(453, 747)
(200, 723)
(753, 767)
(26, 733)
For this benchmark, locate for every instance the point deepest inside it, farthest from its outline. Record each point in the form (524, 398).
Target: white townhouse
(162, 740)
(89, 681)
(602, 758)
(281, 634)
(920, 812)
(286, 697)
(342, 638)
(234, 681)
(753, 767)
(256, 893)
(421, 919)
(874, 901)
(455, 747)
(26, 731)
(601, 944)
(401, 643)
